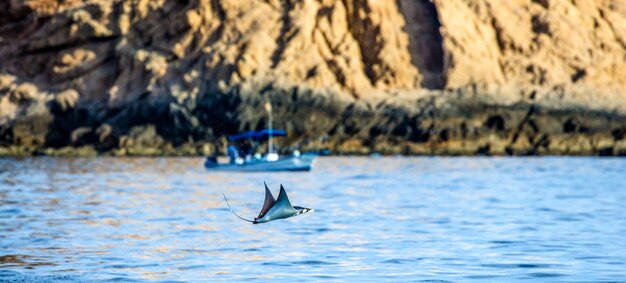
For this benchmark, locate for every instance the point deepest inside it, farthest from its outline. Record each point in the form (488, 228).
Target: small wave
(482, 276)
(503, 242)
(120, 279)
(572, 196)
(544, 275)
(277, 264)
(130, 266)
(363, 177)
(324, 276)
(166, 219)
(314, 262)
(399, 260)
(10, 211)
(192, 267)
(517, 265)
(252, 250)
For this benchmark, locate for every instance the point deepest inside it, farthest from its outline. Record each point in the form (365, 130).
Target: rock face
(405, 76)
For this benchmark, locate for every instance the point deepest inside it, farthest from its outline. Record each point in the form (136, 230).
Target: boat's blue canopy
(257, 135)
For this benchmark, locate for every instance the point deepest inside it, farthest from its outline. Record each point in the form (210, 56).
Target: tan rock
(354, 47)
(24, 92)
(620, 148)
(66, 100)
(81, 136)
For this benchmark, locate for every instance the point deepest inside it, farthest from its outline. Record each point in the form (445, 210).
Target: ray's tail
(231, 210)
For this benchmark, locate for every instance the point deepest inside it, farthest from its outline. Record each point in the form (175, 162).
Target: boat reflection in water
(243, 157)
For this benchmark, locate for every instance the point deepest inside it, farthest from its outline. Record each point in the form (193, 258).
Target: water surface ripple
(389, 219)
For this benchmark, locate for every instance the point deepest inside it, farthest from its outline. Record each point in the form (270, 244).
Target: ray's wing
(283, 199)
(268, 203)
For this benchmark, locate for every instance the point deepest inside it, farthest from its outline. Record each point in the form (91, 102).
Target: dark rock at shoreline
(426, 123)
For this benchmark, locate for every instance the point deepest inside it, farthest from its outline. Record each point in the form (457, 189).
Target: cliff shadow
(425, 40)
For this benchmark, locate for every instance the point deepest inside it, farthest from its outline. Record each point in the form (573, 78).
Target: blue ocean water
(390, 219)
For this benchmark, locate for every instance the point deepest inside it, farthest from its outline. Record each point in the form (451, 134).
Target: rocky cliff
(355, 76)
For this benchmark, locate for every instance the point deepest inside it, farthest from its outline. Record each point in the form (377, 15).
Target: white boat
(270, 162)
(283, 163)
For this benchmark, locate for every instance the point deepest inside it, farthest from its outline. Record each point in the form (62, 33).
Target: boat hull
(304, 163)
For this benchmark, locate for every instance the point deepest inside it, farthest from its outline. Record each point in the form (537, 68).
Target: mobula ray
(274, 209)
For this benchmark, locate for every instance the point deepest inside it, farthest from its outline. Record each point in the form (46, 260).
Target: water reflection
(385, 219)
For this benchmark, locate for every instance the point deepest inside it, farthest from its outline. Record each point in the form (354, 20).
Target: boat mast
(268, 108)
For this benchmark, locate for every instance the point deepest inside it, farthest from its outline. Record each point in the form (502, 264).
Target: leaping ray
(274, 209)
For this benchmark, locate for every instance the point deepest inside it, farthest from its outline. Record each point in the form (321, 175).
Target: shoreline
(13, 153)
(466, 122)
